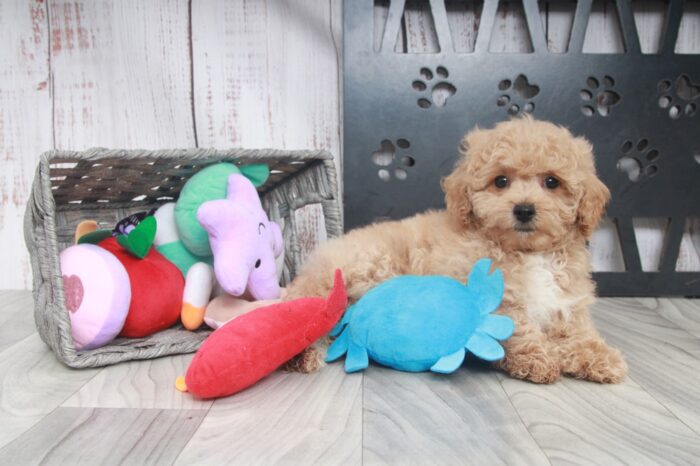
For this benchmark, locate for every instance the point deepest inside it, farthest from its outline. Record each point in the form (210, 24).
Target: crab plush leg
(486, 289)
(485, 347)
(356, 359)
(339, 347)
(450, 363)
(499, 327)
(343, 322)
(483, 343)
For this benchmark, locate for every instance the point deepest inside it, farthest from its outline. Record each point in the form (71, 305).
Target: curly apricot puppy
(525, 194)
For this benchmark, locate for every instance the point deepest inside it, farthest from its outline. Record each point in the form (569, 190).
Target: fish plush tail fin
(321, 319)
(486, 289)
(337, 300)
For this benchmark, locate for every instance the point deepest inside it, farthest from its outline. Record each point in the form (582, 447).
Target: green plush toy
(208, 185)
(181, 238)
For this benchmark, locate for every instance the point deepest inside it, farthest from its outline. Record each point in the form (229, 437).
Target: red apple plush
(156, 291)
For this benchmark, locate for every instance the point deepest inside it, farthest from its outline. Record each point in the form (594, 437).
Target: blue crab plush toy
(418, 323)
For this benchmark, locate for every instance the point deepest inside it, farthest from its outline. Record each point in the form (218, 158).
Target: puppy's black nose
(524, 212)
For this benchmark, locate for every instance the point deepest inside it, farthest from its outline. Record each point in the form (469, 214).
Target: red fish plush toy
(253, 345)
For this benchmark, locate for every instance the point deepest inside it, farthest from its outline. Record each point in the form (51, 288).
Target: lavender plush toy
(243, 242)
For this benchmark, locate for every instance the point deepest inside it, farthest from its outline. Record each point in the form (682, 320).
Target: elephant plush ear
(257, 174)
(215, 216)
(241, 191)
(277, 241)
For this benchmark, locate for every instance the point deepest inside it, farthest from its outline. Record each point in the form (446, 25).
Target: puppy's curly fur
(544, 261)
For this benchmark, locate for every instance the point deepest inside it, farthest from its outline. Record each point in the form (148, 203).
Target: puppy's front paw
(595, 361)
(535, 365)
(308, 361)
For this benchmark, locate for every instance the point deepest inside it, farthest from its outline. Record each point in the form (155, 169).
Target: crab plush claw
(419, 323)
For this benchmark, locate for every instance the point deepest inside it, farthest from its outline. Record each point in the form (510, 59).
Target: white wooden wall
(159, 74)
(218, 73)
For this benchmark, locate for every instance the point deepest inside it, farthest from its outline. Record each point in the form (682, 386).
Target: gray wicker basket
(107, 185)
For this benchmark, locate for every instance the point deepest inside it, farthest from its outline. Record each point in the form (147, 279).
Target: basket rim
(211, 153)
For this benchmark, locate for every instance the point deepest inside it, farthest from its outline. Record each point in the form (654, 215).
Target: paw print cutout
(638, 161)
(518, 98)
(599, 98)
(678, 98)
(433, 94)
(393, 159)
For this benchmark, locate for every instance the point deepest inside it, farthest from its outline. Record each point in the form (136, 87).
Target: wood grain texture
(266, 74)
(121, 74)
(577, 422)
(685, 313)
(17, 318)
(310, 228)
(558, 17)
(25, 125)
(650, 233)
(50, 413)
(381, 12)
(419, 26)
(649, 18)
(463, 19)
(605, 248)
(285, 418)
(663, 358)
(464, 418)
(603, 34)
(141, 384)
(105, 436)
(510, 33)
(689, 31)
(34, 383)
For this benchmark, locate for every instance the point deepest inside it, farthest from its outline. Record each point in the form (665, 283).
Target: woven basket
(107, 185)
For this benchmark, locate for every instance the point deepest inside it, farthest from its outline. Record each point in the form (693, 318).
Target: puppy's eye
(551, 182)
(501, 181)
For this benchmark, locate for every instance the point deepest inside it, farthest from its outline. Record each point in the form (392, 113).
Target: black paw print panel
(405, 114)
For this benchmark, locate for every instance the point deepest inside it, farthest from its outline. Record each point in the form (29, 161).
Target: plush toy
(209, 184)
(97, 294)
(134, 233)
(224, 308)
(119, 286)
(156, 290)
(152, 284)
(418, 323)
(243, 242)
(253, 345)
(180, 236)
(83, 228)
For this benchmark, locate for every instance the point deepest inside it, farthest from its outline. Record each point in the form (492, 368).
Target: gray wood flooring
(131, 413)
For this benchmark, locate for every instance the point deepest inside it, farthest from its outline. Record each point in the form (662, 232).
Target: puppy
(525, 194)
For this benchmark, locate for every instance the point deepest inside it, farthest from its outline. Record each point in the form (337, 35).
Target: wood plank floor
(131, 413)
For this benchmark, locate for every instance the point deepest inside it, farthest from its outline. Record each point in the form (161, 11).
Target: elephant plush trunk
(232, 276)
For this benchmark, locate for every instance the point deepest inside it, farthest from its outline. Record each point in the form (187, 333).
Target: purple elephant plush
(243, 240)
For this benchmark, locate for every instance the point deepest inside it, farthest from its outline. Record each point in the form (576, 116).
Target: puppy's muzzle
(524, 213)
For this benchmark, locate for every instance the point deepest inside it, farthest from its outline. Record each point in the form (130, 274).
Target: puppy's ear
(457, 185)
(590, 209)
